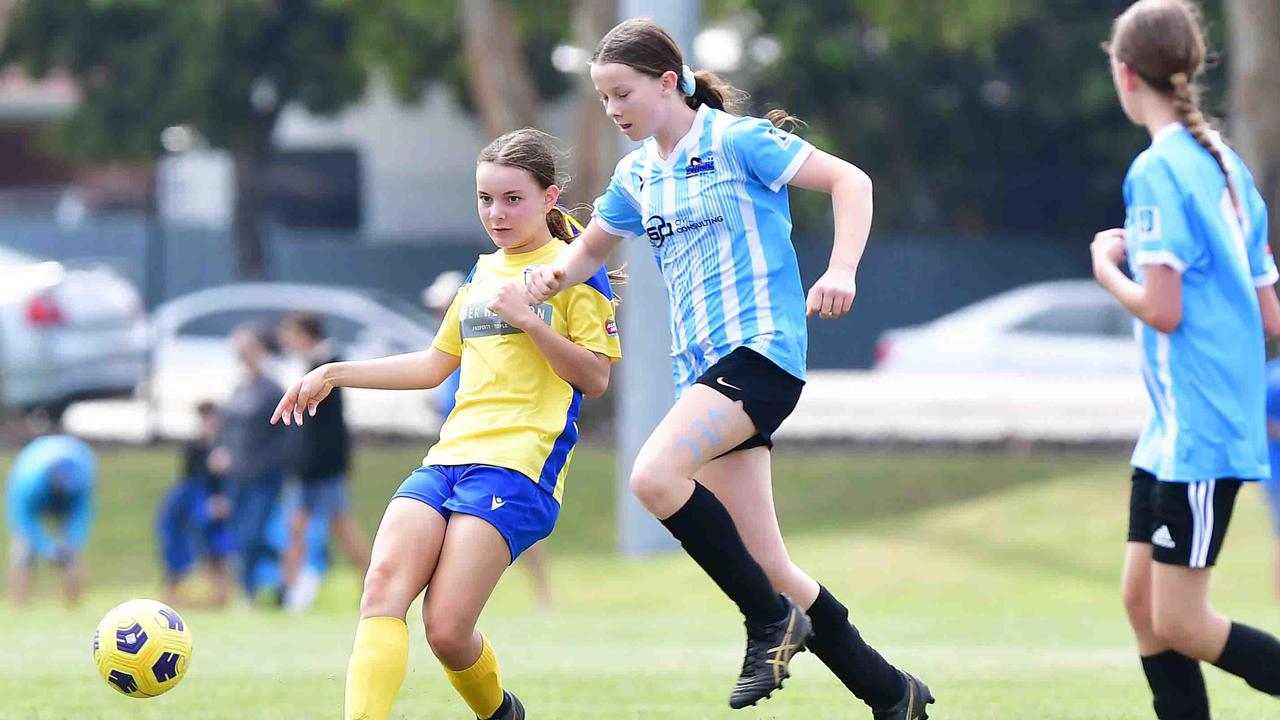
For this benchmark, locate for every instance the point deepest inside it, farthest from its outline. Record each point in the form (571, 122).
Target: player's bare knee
(1137, 605)
(1178, 630)
(652, 483)
(381, 592)
(450, 638)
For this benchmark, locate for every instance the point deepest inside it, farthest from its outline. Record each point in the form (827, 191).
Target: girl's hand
(1108, 248)
(512, 305)
(542, 282)
(305, 394)
(832, 295)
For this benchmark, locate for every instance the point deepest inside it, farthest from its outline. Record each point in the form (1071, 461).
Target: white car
(67, 333)
(1064, 327)
(193, 359)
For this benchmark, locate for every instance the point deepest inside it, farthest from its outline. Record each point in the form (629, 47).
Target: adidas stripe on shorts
(1184, 522)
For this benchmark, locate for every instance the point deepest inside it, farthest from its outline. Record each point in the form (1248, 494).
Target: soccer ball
(142, 648)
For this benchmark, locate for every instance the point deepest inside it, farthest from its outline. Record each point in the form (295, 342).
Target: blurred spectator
(52, 480)
(251, 453)
(437, 297)
(194, 518)
(318, 458)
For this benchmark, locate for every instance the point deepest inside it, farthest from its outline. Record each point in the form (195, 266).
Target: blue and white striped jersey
(717, 216)
(1206, 379)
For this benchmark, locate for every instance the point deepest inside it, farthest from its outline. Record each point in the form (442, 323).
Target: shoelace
(757, 648)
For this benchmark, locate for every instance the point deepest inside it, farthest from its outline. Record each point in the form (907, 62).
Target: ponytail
(1186, 101)
(711, 90)
(564, 226)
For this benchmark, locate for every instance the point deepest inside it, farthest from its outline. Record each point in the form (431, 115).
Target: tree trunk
(1253, 50)
(246, 221)
(500, 84)
(595, 149)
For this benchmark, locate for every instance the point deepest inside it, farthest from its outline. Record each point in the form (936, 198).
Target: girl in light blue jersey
(1195, 236)
(708, 191)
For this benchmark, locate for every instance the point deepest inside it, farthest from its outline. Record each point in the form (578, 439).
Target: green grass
(999, 584)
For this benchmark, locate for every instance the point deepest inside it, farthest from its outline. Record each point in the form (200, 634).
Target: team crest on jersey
(700, 165)
(782, 137)
(658, 230)
(610, 328)
(1147, 220)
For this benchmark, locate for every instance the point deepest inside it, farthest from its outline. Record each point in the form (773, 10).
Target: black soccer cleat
(511, 708)
(769, 652)
(911, 706)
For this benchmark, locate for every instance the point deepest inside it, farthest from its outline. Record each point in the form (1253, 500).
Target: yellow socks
(481, 684)
(376, 670)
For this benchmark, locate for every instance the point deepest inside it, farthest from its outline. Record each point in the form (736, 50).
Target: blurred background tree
(975, 118)
(225, 69)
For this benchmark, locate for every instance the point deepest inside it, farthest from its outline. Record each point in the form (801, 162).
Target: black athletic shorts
(767, 392)
(1185, 523)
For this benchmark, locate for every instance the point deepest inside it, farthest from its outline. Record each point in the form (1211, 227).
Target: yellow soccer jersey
(512, 410)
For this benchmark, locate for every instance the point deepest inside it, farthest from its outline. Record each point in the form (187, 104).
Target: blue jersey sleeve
(618, 209)
(80, 519)
(1156, 227)
(22, 514)
(1273, 393)
(1261, 263)
(769, 154)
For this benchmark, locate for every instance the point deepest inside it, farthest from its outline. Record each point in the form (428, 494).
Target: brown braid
(1186, 98)
(1163, 42)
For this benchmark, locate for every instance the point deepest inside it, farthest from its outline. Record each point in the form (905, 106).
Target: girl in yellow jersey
(492, 486)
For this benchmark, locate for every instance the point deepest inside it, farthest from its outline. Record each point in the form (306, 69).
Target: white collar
(1165, 132)
(695, 132)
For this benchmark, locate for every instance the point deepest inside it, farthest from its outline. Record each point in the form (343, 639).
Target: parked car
(192, 359)
(67, 333)
(1061, 326)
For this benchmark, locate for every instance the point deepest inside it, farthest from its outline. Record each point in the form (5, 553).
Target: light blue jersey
(30, 494)
(718, 219)
(1207, 378)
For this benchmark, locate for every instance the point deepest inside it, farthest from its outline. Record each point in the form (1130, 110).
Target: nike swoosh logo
(497, 503)
(720, 381)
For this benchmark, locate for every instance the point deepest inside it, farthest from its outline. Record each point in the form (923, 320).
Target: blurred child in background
(193, 521)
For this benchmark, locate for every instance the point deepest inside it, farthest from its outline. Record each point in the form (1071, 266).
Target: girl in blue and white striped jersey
(1195, 237)
(708, 191)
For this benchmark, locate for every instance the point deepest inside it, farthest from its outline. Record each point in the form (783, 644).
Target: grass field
(993, 577)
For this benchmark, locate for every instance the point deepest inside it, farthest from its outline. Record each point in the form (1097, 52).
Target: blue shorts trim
(514, 505)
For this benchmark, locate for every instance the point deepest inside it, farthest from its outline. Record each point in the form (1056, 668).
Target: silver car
(193, 359)
(67, 333)
(1060, 327)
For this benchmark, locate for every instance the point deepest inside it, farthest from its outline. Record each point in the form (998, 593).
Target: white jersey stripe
(1197, 521)
(1169, 409)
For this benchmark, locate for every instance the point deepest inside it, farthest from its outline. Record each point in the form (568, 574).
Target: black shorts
(767, 392)
(1185, 523)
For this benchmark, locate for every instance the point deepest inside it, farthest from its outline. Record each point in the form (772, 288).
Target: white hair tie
(687, 82)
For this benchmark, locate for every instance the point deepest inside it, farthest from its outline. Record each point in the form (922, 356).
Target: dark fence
(904, 280)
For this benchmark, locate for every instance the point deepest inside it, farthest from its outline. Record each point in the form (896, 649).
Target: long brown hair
(643, 46)
(535, 152)
(1163, 42)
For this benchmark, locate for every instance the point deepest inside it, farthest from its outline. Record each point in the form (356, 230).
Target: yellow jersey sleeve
(590, 319)
(449, 336)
